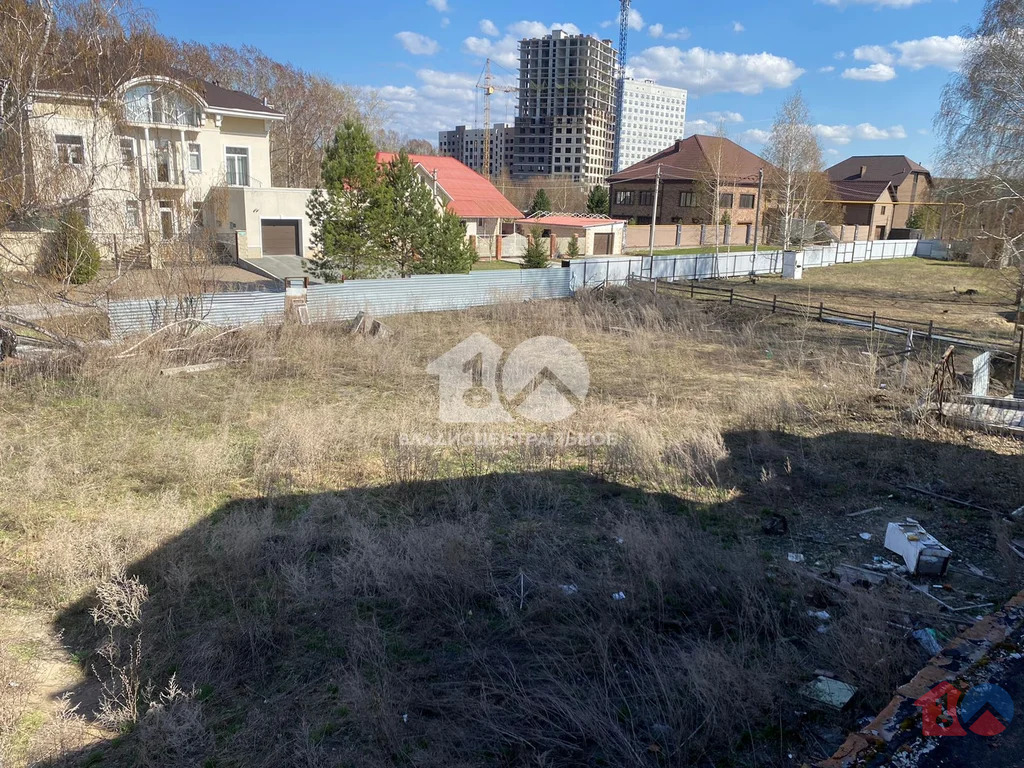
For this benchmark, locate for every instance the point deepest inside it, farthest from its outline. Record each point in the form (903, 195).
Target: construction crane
(486, 84)
(621, 103)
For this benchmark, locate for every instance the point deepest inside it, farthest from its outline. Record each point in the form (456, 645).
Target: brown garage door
(281, 238)
(603, 244)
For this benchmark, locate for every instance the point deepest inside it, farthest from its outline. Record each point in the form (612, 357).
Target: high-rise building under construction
(565, 125)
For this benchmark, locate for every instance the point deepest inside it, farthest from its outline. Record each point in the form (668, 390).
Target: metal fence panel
(435, 293)
(223, 309)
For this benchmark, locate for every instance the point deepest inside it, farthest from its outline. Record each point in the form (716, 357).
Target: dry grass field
(920, 290)
(249, 566)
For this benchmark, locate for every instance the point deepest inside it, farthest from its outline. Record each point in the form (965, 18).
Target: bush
(536, 256)
(72, 255)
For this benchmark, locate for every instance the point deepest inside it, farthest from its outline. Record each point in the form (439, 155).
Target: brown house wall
(669, 210)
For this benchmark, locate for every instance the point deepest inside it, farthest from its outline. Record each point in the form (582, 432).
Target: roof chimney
(863, 171)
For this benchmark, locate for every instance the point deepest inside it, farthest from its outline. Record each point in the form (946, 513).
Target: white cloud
(737, 27)
(703, 71)
(445, 22)
(505, 51)
(725, 117)
(636, 21)
(754, 136)
(935, 51)
(826, 70)
(441, 6)
(844, 134)
(439, 101)
(832, 152)
(923, 131)
(680, 34)
(876, 3)
(839, 55)
(489, 28)
(876, 73)
(876, 54)
(656, 30)
(417, 44)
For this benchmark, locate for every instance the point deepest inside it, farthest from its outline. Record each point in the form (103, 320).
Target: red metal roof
(570, 221)
(472, 196)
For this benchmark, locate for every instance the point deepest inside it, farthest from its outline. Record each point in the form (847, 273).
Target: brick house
(871, 206)
(912, 183)
(686, 168)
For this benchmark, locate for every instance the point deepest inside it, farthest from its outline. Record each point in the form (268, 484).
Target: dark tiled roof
(862, 191)
(693, 158)
(892, 168)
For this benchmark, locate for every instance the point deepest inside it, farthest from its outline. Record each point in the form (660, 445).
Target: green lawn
(482, 266)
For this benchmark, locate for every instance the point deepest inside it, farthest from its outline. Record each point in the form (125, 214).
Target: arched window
(152, 103)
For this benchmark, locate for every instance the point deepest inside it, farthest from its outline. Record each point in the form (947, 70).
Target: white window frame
(57, 144)
(125, 140)
(197, 155)
(133, 214)
(198, 215)
(248, 162)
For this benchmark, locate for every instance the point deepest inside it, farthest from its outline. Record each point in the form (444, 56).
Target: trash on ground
(929, 641)
(795, 557)
(832, 693)
(619, 596)
(866, 536)
(922, 552)
(1018, 513)
(849, 574)
(570, 589)
(776, 525)
(866, 511)
(820, 615)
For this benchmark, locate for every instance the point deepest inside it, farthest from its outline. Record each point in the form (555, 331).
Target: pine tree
(73, 255)
(574, 247)
(448, 251)
(404, 216)
(536, 256)
(599, 201)
(343, 231)
(540, 204)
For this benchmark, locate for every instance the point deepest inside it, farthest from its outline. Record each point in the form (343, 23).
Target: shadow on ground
(548, 618)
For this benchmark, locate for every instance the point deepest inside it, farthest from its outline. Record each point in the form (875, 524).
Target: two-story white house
(170, 156)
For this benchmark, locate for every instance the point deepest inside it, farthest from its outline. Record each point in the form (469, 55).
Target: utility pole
(757, 212)
(654, 218)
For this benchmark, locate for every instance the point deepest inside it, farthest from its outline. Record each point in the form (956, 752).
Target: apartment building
(653, 117)
(467, 146)
(165, 157)
(566, 119)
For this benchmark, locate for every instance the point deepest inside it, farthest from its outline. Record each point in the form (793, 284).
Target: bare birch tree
(712, 182)
(795, 176)
(981, 121)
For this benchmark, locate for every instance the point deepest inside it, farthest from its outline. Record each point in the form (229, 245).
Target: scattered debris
(776, 525)
(201, 368)
(922, 552)
(366, 325)
(866, 511)
(832, 693)
(570, 589)
(866, 536)
(820, 615)
(950, 499)
(1018, 513)
(795, 557)
(929, 641)
(619, 596)
(8, 344)
(849, 574)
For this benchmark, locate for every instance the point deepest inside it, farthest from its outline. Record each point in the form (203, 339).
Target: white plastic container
(922, 552)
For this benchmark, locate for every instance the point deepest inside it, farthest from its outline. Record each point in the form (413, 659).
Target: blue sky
(871, 71)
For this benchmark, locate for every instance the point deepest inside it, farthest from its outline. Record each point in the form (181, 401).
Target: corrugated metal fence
(428, 293)
(704, 266)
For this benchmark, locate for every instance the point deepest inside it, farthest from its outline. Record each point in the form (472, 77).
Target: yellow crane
(486, 84)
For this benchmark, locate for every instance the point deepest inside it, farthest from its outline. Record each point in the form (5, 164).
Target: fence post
(821, 311)
(584, 273)
(874, 320)
(931, 329)
(732, 294)
(775, 302)
(692, 283)
(675, 262)
(607, 272)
